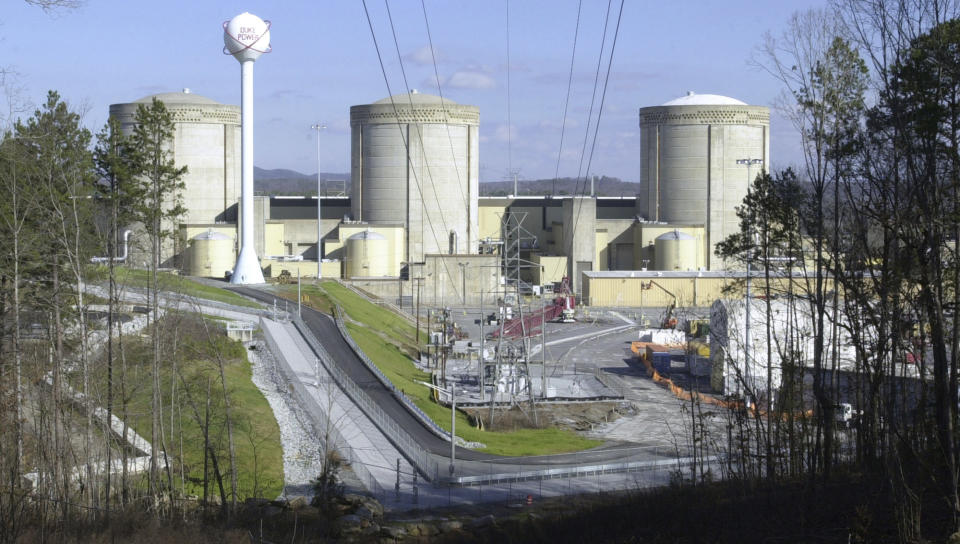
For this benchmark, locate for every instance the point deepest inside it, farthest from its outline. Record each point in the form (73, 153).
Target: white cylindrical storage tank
(675, 251)
(689, 174)
(210, 255)
(367, 255)
(414, 162)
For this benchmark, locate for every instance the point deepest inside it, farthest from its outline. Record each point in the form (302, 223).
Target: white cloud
(423, 56)
(466, 79)
(503, 134)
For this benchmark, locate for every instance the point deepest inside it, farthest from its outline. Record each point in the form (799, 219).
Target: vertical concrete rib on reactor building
(206, 140)
(414, 161)
(689, 151)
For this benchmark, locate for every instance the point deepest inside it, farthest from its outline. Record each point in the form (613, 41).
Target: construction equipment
(668, 320)
(562, 308)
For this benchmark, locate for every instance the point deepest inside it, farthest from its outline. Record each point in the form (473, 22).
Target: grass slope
(174, 283)
(255, 430)
(386, 338)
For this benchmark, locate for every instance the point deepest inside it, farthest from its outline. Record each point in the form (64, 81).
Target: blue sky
(324, 61)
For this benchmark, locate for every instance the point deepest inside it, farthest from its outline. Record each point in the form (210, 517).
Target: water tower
(246, 37)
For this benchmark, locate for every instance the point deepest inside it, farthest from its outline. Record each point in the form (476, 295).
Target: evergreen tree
(159, 208)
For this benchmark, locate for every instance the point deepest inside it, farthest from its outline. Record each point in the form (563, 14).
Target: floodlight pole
(748, 162)
(318, 127)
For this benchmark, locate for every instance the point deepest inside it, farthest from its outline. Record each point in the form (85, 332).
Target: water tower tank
(675, 251)
(414, 162)
(367, 255)
(689, 174)
(211, 255)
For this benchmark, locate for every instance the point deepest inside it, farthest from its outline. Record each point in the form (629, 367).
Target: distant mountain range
(604, 186)
(280, 181)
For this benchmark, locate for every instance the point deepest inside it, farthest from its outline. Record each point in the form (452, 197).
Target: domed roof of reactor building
(694, 99)
(675, 235)
(416, 98)
(367, 235)
(182, 97)
(212, 235)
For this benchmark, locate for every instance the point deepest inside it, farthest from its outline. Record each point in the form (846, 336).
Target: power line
(446, 124)
(406, 143)
(566, 102)
(603, 98)
(593, 98)
(426, 162)
(509, 121)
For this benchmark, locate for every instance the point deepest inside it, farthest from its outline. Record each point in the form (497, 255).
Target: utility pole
(419, 280)
(748, 162)
(443, 371)
(400, 284)
(318, 127)
(482, 340)
(543, 338)
(463, 282)
(299, 296)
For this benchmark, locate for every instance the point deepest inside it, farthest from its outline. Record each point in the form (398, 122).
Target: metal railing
(405, 443)
(413, 408)
(320, 421)
(579, 471)
(395, 308)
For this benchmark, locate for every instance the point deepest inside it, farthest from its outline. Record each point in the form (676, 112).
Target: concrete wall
(579, 236)
(689, 173)
(554, 269)
(414, 161)
(617, 253)
(299, 215)
(307, 269)
(626, 289)
(444, 279)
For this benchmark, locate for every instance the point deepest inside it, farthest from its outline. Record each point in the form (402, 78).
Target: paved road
(325, 330)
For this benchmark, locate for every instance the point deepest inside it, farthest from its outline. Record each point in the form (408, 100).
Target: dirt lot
(575, 416)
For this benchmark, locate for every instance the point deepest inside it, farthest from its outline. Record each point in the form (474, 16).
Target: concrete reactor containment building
(414, 163)
(207, 140)
(414, 222)
(689, 173)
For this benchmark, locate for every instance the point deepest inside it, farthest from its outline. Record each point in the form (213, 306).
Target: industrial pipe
(121, 258)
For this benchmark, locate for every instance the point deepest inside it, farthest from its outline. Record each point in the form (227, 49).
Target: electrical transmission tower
(512, 383)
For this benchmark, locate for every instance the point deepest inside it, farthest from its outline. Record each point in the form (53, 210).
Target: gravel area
(301, 451)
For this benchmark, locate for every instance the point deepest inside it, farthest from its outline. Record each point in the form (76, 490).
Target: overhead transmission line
(593, 98)
(426, 162)
(509, 120)
(566, 102)
(406, 143)
(443, 105)
(596, 130)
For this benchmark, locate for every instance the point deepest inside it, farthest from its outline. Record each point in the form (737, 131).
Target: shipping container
(661, 361)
